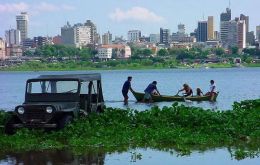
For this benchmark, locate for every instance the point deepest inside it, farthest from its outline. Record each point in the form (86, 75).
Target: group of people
(188, 91)
(151, 89)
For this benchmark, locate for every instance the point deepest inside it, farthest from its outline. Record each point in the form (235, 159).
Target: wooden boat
(156, 98)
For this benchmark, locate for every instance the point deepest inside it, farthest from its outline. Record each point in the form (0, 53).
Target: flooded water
(234, 84)
(135, 156)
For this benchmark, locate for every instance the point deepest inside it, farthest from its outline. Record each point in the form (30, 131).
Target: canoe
(139, 97)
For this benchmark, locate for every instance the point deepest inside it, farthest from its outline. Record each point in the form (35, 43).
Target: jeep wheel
(9, 129)
(65, 120)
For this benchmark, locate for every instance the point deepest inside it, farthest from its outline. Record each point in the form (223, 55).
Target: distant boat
(160, 98)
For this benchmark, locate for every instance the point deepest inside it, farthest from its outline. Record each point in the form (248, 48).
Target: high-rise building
(2, 49)
(258, 33)
(94, 36)
(68, 35)
(164, 36)
(181, 28)
(232, 38)
(224, 25)
(22, 24)
(202, 31)
(246, 19)
(250, 38)
(236, 34)
(78, 35)
(241, 29)
(154, 38)
(13, 37)
(82, 35)
(211, 28)
(107, 38)
(133, 35)
(226, 16)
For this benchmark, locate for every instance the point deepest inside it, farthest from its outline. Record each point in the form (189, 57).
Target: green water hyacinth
(183, 129)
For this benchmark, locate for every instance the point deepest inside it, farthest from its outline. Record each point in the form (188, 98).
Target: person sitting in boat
(212, 90)
(187, 90)
(199, 92)
(149, 91)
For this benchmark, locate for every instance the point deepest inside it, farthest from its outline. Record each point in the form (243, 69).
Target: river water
(235, 84)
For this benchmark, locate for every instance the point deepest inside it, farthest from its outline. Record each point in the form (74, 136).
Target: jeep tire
(65, 120)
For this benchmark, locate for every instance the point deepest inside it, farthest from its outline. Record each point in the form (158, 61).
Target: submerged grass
(177, 127)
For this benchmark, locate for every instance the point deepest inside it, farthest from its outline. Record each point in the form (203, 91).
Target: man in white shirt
(212, 89)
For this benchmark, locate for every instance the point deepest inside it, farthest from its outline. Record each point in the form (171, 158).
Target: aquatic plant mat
(179, 128)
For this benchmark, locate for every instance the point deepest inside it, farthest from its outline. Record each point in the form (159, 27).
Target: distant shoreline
(37, 66)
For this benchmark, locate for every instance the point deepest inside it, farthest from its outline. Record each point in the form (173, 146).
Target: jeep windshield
(52, 86)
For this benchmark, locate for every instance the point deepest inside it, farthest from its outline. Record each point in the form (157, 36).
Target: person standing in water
(126, 87)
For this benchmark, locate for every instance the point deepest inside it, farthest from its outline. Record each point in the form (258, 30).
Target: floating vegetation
(178, 127)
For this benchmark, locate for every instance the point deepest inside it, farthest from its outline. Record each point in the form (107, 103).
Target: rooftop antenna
(229, 4)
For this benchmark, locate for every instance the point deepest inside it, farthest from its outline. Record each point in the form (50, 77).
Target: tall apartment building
(211, 28)
(82, 35)
(258, 33)
(164, 36)
(224, 25)
(133, 35)
(232, 38)
(202, 31)
(22, 24)
(68, 35)
(78, 35)
(94, 36)
(2, 49)
(236, 34)
(107, 38)
(13, 37)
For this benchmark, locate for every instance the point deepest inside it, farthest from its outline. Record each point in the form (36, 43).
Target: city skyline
(119, 16)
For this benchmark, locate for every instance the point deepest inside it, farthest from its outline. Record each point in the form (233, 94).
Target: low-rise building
(120, 51)
(14, 51)
(104, 53)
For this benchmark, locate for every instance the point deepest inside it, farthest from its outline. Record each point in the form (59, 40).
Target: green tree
(147, 52)
(234, 50)
(162, 52)
(219, 51)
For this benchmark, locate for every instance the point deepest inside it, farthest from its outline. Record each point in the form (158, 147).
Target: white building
(104, 53)
(241, 36)
(133, 35)
(82, 35)
(13, 37)
(22, 24)
(2, 49)
(258, 33)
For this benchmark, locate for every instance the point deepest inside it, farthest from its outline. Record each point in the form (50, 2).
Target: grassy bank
(111, 65)
(177, 127)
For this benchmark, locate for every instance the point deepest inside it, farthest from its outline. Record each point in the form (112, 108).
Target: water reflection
(52, 158)
(142, 156)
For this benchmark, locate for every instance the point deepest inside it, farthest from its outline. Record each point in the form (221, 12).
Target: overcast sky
(118, 16)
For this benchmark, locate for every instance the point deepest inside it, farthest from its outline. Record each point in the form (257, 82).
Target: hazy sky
(119, 16)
